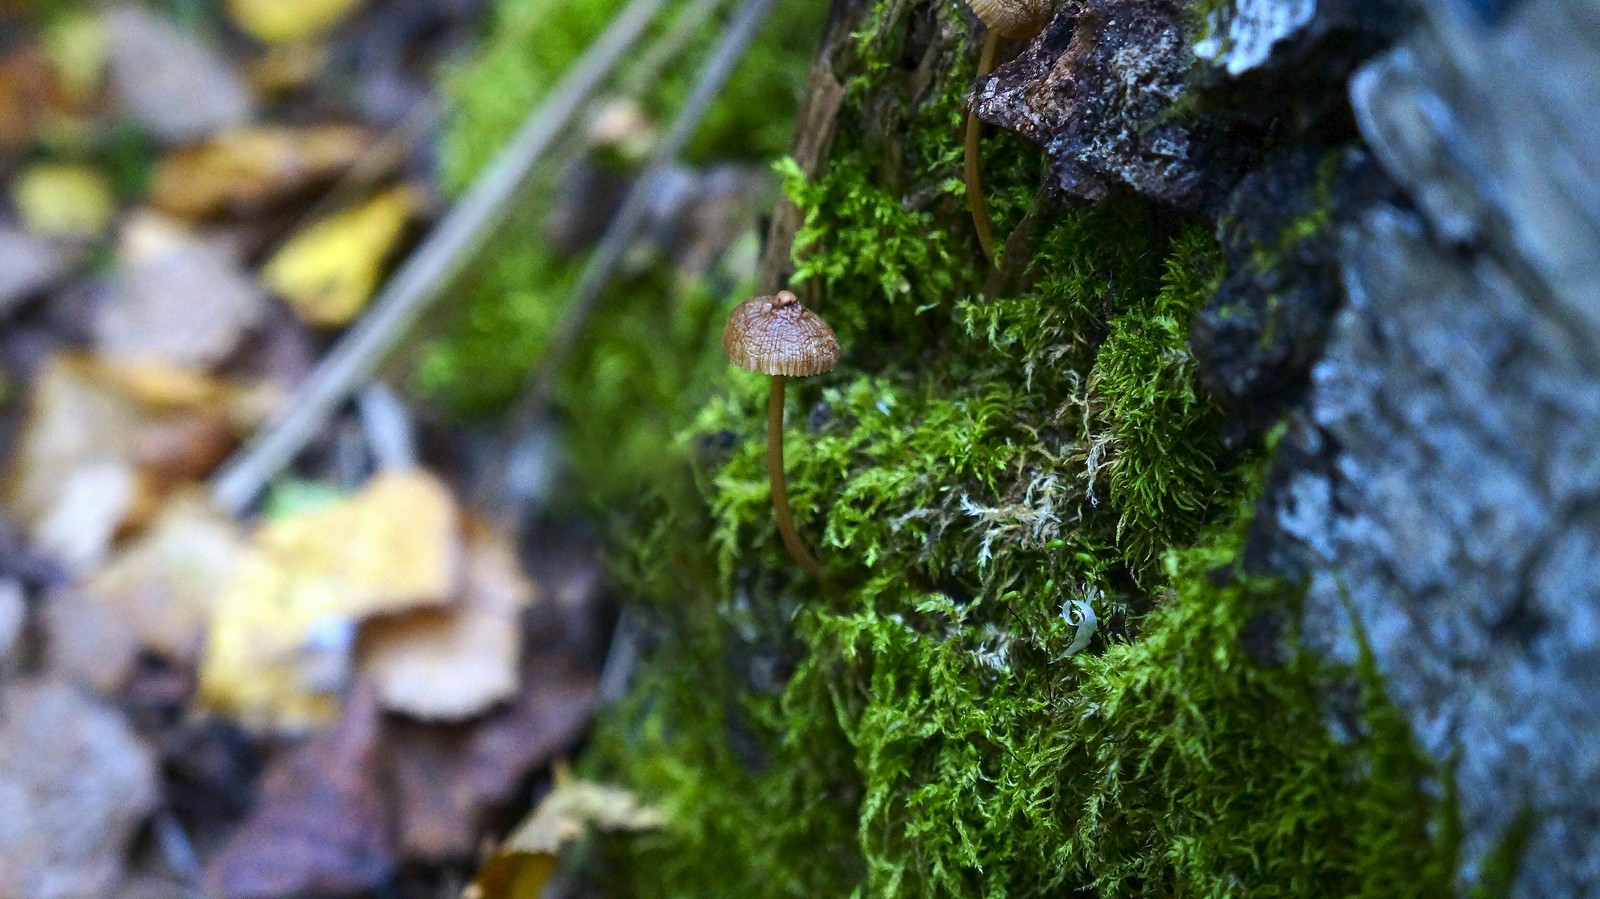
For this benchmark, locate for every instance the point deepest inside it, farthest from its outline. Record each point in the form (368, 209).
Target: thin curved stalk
(974, 164)
(780, 489)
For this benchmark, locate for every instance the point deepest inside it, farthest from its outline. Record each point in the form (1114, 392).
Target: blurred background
(328, 330)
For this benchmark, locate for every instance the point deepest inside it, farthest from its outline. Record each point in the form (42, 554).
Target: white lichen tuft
(1079, 613)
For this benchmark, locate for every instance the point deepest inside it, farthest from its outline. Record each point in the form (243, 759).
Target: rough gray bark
(1444, 473)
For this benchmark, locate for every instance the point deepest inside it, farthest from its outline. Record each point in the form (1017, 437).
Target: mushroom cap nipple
(777, 335)
(1016, 19)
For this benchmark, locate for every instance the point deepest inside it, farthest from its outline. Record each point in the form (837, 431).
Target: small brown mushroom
(778, 336)
(1019, 20)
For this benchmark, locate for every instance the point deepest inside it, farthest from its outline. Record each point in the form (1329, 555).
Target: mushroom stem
(974, 167)
(780, 489)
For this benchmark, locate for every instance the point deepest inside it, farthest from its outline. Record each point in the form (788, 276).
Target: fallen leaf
(178, 299)
(75, 784)
(279, 648)
(180, 88)
(156, 594)
(328, 271)
(277, 21)
(63, 200)
(242, 171)
(288, 67)
(453, 663)
(28, 92)
(101, 441)
(452, 778)
(28, 264)
(525, 861)
(322, 825)
(90, 504)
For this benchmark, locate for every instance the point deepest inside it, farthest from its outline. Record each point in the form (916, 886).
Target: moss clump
(1158, 432)
(976, 462)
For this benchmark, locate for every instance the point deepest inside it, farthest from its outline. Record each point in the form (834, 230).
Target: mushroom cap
(777, 335)
(1014, 18)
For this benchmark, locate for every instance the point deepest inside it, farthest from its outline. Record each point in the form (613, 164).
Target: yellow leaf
(328, 271)
(279, 647)
(520, 867)
(243, 170)
(276, 21)
(63, 200)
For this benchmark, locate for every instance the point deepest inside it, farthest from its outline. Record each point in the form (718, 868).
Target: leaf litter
(329, 692)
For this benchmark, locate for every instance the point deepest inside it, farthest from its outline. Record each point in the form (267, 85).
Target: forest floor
(356, 684)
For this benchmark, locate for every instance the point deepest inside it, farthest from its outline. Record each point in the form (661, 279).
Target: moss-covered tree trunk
(1289, 396)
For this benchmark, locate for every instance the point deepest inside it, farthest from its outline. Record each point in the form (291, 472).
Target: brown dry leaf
(451, 778)
(328, 271)
(74, 783)
(450, 664)
(102, 441)
(322, 825)
(63, 200)
(179, 298)
(240, 172)
(179, 87)
(279, 647)
(28, 92)
(277, 21)
(156, 594)
(522, 865)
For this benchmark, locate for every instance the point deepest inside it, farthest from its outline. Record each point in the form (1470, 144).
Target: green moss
(1158, 431)
(975, 462)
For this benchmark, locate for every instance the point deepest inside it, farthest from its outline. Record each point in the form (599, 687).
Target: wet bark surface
(1413, 267)
(1454, 524)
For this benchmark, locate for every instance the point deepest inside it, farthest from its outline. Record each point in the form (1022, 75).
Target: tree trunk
(1325, 482)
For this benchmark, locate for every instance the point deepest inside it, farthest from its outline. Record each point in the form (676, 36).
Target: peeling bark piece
(1092, 89)
(1241, 37)
(74, 783)
(322, 825)
(1243, 34)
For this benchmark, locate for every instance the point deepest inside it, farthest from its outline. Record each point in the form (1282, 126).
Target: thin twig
(646, 71)
(422, 279)
(494, 494)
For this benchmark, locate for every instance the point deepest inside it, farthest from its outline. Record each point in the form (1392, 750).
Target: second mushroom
(779, 336)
